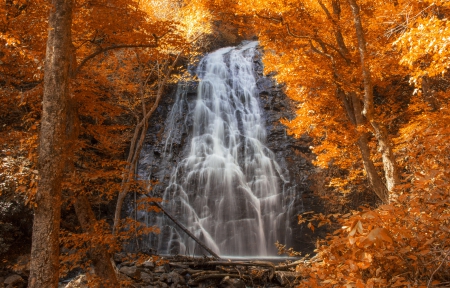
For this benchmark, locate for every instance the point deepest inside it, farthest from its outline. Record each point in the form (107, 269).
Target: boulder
(160, 269)
(147, 277)
(173, 278)
(148, 264)
(131, 271)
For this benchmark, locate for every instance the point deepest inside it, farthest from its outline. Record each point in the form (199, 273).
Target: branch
(124, 46)
(437, 269)
(181, 226)
(315, 38)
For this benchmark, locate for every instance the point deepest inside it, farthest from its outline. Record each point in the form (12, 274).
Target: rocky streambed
(182, 271)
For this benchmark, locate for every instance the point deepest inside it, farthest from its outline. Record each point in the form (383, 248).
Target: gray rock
(148, 264)
(158, 284)
(14, 281)
(131, 271)
(147, 277)
(160, 269)
(228, 282)
(172, 277)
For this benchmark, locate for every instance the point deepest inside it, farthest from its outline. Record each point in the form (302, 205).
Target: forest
(368, 81)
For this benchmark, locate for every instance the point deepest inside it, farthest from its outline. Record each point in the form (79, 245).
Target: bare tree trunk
(44, 270)
(136, 145)
(387, 155)
(375, 180)
(385, 147)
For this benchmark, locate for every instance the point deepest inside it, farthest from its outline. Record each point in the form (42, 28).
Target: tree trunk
(44, 270)
(385, 147)
(136, 144)
(387, 155)
(100, 257)
(375, 180)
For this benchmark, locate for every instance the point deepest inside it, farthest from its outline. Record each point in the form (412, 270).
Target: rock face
(159, 156)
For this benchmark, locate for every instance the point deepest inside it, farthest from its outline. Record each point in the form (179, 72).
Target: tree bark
(44, 269)
(375, 180)
(384, 145)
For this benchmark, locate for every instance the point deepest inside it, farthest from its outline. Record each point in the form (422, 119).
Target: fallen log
(286, 266)
(181, 226)
(270, 265)
(197, 280)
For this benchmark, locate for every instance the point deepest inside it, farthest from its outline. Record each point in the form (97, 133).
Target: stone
(148, 264)
(131, 271)
(228, 282)
(160, 269)
(172, 277)
(147, 277)
(78, 282)
(159, 284)
(15, 281)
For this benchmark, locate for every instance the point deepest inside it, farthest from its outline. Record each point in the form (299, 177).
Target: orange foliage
(403, 243)
(120, 52)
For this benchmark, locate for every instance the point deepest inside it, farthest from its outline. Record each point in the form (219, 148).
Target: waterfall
(228, 188)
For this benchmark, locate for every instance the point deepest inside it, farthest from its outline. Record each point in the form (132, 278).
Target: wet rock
(131, 271)
(228, 282)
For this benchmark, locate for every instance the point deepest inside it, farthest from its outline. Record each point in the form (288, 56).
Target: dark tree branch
(115, 47)
(181, 226)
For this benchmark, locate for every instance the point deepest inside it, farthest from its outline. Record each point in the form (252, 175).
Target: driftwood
(187, 231)
(197, 280)
(201, 271)
(286, 266)
(247, 263)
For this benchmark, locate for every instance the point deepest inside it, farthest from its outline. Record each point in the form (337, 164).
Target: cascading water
(228, 190)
